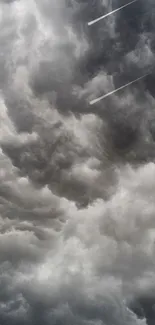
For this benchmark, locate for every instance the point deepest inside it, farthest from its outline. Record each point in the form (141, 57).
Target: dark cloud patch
(8, 1)
(145, 307)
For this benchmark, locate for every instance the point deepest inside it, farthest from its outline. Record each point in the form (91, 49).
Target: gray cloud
(76, 181)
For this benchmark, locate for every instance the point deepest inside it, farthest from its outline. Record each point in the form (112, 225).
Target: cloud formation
(76, 181)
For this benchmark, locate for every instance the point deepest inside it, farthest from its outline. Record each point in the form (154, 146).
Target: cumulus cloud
(76, 181)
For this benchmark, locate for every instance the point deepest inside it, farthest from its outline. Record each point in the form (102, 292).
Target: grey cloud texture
(76, 181)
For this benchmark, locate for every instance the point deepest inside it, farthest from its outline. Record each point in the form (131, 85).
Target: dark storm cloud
(76, 181)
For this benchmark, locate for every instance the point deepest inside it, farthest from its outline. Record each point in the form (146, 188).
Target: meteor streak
(94, 101)
(110, 13)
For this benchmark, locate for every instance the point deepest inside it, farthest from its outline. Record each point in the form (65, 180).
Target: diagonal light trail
(94, 101)
(110, 13)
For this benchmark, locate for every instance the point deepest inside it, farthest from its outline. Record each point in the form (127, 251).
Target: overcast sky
(77, 181)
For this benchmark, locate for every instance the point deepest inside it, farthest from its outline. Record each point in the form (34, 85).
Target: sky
(77, 208)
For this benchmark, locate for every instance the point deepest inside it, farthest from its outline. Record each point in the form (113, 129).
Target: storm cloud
(77, 238)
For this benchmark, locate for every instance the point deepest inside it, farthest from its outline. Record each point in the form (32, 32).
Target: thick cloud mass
(77, 189)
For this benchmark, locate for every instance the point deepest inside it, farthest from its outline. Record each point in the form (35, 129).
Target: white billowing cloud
(107, 247)
(94, 88)
(142, 56)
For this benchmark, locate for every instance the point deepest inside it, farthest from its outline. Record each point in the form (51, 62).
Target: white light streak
(94, 101)
(109, 13)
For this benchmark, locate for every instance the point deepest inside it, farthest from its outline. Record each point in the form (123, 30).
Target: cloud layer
(76, 181)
